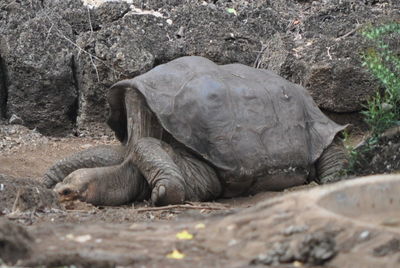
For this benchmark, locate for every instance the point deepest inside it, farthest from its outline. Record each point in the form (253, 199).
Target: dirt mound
(18, 194)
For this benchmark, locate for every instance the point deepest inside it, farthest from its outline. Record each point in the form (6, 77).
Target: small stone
(297, 264)
(86, 146)
(83, 238)
(232, 242)
(364, 235)
(293, 229)
(386, 106)
(15, 120)
(391, 222)
(231, 227)
(181, 32)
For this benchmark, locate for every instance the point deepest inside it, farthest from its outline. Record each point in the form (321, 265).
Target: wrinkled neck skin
(96, 156)
(118, 185)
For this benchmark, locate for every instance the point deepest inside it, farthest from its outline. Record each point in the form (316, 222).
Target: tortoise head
(79, 185)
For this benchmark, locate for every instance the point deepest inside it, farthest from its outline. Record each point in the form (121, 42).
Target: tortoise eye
(66, 192)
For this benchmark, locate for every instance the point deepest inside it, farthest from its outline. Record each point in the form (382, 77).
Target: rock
(313, 249)
(142, 39)
(114, 55)
(15, 120)
(15, 242)
(317, 248)
(390, 247)
(337, 84)
(294, 229)
(110, 12)
(80, 18)
(322, 51)
(37, 51)
(221, 36)
(279, 253)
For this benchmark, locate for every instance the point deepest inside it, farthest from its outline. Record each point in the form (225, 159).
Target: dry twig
(14, 207)
(349, 33)
(257, 62)
(329, 54)
(179, 207)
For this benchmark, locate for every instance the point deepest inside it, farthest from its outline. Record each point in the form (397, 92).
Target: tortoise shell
(241, 119)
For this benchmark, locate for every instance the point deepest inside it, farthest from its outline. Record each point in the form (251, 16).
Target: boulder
(322, 51)
(38, 63)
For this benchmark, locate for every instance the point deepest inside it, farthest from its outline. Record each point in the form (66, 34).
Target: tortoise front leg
(173, 176)
(332, 162)
(97, 156)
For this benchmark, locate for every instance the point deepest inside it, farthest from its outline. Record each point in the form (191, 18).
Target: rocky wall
(58, 58)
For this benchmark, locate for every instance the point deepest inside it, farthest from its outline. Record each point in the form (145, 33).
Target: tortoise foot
(167, 192)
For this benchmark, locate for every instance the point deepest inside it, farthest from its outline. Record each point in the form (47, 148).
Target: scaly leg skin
(97, 156)
(106, 186)
(172, 176)
(332, 162)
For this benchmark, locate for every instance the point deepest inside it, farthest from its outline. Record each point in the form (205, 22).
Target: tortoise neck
(140, 120)
(119, 185)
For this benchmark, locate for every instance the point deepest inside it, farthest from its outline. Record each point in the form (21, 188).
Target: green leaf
(231, 11)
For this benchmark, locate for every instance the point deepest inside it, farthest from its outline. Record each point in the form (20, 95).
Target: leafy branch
(382, 110)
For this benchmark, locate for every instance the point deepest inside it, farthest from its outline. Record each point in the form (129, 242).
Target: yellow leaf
(297, 264)
(200, 226)
(184, 235)
(175, 254)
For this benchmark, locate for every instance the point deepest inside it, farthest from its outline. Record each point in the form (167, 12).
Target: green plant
(383, 109)
(359, 156)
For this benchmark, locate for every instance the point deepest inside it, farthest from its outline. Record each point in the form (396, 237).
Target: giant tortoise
(192, 130)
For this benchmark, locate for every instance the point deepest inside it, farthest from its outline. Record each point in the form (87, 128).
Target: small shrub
(383, 109)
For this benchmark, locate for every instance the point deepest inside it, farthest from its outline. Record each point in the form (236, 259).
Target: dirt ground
(244, 232)
(26, 155)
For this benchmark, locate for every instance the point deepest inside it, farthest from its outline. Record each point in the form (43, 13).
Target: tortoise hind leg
(332, 163)
(174, 176)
